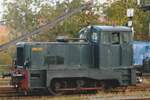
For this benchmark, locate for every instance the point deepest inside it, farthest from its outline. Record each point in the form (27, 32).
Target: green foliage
(5, 58)
(116, 12)
(21, 18)
(70, 26)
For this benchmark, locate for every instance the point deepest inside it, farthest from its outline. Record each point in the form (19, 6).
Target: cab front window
(94, 37)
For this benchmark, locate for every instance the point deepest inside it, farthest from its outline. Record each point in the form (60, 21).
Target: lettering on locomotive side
(37, 49)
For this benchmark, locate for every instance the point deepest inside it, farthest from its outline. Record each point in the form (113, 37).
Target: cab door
(126, 49)
(105, 51)
(92, 36)
(115, 49)
(110, 49)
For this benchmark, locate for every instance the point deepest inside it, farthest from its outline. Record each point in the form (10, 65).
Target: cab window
(105, 37)
(115, 38)
(94, 36)
(125, 37)
(83, 33)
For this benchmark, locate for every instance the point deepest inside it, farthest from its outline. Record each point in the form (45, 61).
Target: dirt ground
(98, 96)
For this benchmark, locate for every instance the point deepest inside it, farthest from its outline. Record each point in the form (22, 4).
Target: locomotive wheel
(54, 88)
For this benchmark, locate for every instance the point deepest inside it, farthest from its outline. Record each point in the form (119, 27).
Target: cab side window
(105, 37)
(125, 37)
(115, 38)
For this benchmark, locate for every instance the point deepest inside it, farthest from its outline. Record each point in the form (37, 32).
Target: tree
(21, 18)
(5, 58)
(116, 12)
(70, 26)
(24, 16)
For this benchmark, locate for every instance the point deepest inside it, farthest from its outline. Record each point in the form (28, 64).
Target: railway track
(11, 91)
(20, 96)
(6, 90)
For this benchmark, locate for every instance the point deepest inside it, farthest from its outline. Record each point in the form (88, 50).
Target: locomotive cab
(112, 45)
(112, 49)
(115, 47)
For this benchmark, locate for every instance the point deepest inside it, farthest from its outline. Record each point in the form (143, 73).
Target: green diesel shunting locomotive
(101, 58)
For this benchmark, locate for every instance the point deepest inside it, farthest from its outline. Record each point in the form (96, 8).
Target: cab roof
(112, 28)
